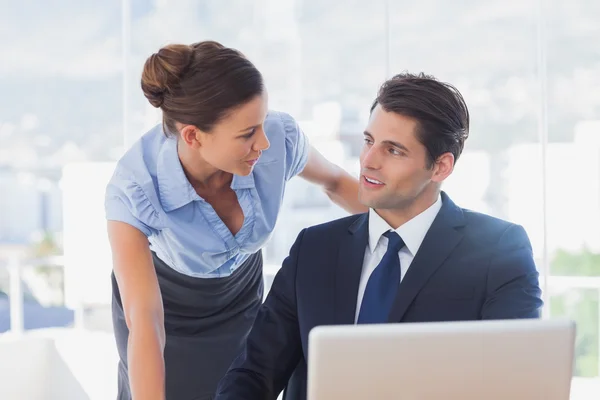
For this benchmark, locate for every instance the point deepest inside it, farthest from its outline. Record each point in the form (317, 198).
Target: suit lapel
(437, 245)
(349, 267)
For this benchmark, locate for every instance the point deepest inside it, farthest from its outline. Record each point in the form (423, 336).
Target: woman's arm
(339, 185)
(142, 304)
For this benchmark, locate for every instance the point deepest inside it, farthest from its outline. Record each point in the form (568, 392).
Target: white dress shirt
(412, 232)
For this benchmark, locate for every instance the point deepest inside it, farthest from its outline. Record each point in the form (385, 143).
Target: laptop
(476, 360)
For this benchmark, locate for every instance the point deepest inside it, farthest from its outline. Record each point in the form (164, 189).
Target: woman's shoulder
(131, 193)
(135, 171)
(283, 132)
(277, 122)
(289, 144)
(139, 161)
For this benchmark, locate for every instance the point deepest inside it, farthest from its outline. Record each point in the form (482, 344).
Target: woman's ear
(191, 136)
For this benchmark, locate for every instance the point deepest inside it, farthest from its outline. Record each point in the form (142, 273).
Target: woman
(189, 207)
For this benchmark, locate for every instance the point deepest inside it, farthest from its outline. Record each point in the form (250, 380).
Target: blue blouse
(150, 191)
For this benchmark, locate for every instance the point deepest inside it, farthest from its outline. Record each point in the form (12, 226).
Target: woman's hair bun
(164, 70)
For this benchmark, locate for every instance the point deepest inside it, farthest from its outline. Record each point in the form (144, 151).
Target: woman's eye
(249, 134)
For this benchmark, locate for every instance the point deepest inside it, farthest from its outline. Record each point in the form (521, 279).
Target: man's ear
(443, 167)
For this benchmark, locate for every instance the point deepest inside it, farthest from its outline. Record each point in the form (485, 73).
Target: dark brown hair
(199, 84)
(440, 111)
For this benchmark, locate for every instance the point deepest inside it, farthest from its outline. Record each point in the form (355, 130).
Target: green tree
(47, 246)
(581, 305)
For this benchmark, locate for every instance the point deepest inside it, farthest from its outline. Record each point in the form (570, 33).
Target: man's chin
(367, 201)
(378, 203)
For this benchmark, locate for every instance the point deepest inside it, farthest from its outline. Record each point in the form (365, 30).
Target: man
(414, 257)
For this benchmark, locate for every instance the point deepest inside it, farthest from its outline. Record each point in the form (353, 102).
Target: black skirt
(206, 324)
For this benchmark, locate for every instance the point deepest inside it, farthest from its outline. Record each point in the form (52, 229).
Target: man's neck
(399, 216)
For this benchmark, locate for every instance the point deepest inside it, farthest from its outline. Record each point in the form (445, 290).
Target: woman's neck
(202, 176)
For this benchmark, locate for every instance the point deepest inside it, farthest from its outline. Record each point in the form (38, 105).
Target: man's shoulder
(332, 227)
(491, 229)
(478, 219)
(324, 240)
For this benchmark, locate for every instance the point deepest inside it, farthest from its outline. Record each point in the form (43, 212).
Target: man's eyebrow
(390, 142)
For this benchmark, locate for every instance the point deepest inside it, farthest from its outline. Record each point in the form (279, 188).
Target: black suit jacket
(470, 266)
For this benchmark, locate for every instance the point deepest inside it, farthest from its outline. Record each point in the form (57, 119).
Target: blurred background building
(71, 105)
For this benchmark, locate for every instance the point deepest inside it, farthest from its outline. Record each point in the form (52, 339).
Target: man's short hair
(439, 109)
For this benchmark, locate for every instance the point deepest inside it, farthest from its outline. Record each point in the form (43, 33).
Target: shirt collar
(243, 182)
(174, 188)
(412, 232)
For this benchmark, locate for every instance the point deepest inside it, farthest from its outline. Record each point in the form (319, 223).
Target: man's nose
(370, 159)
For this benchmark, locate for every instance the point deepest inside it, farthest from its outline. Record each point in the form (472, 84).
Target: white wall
(87, 253)
(58, 364)
(24, 368)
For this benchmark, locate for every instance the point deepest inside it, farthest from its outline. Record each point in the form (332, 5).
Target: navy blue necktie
(383, 283)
